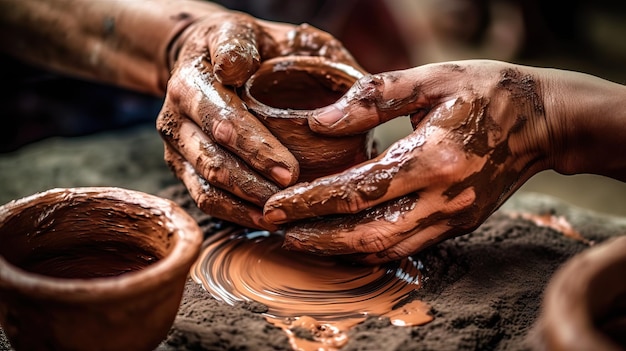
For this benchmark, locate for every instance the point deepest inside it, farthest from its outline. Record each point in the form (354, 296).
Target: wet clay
(550, 220)
(316, 300)
(88, 266)
(287, 90)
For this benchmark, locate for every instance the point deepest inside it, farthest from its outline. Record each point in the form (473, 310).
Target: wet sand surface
(484, 290)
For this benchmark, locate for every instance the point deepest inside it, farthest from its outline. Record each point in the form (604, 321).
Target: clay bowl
(286, 90)
(584, 307)
(93, 268)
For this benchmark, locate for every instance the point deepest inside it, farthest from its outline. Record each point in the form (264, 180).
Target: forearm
(592, 124)
(121, 42)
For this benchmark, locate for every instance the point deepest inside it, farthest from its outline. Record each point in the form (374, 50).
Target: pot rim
(177, 262)
(286, 63)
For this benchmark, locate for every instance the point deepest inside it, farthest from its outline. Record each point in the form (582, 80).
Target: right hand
(481, 128)
(230, 163)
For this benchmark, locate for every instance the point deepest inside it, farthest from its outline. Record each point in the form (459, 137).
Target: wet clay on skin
(468, 129)
(316, 300)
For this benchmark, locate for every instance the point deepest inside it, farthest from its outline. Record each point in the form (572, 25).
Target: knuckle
(167, 125)
(356, 204)
(218, 175)
(447, 172)
(367, 89)
(224, 132)
(175, 86)
(206, 202)
(213, 164)
(373, 240)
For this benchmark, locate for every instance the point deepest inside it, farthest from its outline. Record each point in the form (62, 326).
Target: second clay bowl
(584, 307)
(93, 268)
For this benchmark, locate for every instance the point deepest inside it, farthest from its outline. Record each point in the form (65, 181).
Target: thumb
(234, 52)
(372, 100)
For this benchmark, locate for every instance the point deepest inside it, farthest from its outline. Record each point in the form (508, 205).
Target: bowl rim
(183, 255)
(293, 62)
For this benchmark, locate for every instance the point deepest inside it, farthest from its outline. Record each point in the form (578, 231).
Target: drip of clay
(584, 307)
(287, 90)
(320, 295)
(88, 268)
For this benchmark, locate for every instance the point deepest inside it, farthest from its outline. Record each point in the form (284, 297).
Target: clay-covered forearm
(590, 133)
(124, 43)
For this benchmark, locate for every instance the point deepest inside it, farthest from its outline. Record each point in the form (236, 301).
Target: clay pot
(286, 90)
(93, 268)
(584, 307)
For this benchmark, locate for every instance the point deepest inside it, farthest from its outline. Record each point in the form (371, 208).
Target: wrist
(168, 33)
(188, 13)
(588, 117)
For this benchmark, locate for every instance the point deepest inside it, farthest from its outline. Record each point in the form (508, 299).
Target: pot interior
(84, 238)
(300, 86)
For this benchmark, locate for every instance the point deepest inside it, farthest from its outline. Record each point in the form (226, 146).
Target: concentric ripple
(238, 265)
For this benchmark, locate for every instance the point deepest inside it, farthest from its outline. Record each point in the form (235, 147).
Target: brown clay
(304, 293)
(584, 307)
(87, 268)
(287, 90)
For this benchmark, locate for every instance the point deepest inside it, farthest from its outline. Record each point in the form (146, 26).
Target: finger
(415, 242)
(403, 168)
(370, 231)
(386, 232)
(432, 157)
(234, 49)
(219, 167)
(375, 99)
(222, 115)
(213, 200)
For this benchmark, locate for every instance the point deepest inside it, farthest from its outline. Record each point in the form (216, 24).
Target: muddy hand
(480, 131)
(228, 160)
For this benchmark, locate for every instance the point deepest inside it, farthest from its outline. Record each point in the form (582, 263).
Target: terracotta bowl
(93, 268)
(584, 307)
(287, 90)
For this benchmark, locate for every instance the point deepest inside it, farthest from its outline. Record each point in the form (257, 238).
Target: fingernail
(329, 115)
(224, 132)
(275, 215)
(281, 175)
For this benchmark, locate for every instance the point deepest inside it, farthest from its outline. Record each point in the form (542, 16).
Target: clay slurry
(319, 296)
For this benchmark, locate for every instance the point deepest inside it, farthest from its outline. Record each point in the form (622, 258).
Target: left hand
(480, 131)
(228, 160)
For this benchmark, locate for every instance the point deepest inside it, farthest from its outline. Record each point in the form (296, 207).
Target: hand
(230, 163)
(481, 129)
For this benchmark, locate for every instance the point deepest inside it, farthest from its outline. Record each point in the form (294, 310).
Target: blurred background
(60, 131)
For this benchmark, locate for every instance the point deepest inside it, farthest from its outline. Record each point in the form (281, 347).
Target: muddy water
(316, 300)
